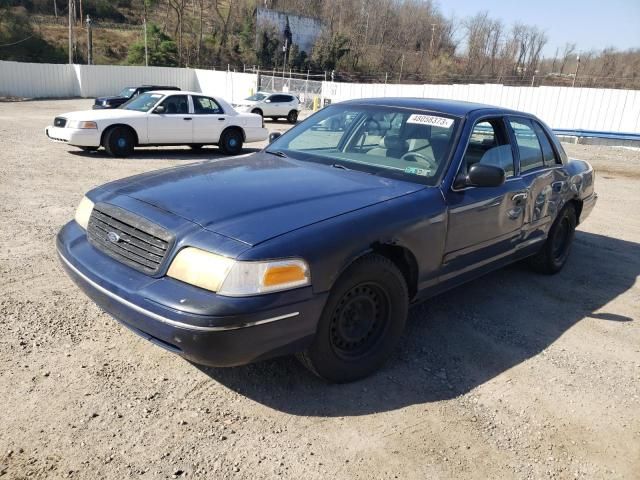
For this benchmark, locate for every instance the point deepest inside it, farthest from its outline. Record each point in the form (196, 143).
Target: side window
(206, 105)
(548, 153)
(528, 145)
(489, 145)
(176, 104)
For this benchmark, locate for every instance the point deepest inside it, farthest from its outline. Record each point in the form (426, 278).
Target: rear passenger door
(209, 120)
(280, 104)
(538, 162)
(485, 223)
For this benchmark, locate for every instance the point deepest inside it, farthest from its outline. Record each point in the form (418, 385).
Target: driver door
(174, 125)
(485, 223)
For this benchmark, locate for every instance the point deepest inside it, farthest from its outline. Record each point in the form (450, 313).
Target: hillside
(371, 41)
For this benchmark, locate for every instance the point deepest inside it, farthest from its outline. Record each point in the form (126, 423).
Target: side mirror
(267, 101)
(273, 136)
(482, 176)
(159, 109)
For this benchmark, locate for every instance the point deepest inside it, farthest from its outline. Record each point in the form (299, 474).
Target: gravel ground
(516, 375)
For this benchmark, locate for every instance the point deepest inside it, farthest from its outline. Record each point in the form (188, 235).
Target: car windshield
(127, 92)
(143, 102)
(395, 142)
(256, 97)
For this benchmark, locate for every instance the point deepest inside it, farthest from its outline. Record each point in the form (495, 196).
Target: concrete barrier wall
(561, 107)
(42, 80)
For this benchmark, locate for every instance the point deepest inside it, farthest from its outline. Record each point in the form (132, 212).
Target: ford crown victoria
(319, 244)
(160, 118)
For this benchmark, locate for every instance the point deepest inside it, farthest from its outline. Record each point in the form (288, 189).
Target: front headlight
(83, 212)
(234, 278)
(82, 124)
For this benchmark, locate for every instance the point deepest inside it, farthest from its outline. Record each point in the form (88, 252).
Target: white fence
(561, 107)
(43, 80)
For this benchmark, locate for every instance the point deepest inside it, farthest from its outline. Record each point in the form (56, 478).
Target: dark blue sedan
(318, 244)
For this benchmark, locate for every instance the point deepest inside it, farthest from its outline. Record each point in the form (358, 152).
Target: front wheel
(555, 251)
(231, 142)
(361, 322)
(119, 142)
(293, 116)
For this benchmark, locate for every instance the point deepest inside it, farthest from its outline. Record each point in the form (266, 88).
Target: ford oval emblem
(113, 237)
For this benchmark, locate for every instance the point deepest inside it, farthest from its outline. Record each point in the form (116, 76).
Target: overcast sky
(588, 23)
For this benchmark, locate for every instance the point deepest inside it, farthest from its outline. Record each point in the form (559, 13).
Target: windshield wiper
(277, 153)
(341, 167)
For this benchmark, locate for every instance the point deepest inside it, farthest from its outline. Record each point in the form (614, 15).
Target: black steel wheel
(555, 251)
(231, 141)
(361, 323)
(119, 142)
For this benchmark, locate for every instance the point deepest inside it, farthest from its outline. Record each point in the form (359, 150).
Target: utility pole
(146, 50)
(55, 8)
(575, 75)
(70, 8)
(89, 41)
(433, 34)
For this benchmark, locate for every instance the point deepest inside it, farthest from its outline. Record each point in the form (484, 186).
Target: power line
(19, 41)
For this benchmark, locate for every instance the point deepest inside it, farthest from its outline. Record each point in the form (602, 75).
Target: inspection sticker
(430, 120)
(417, 171)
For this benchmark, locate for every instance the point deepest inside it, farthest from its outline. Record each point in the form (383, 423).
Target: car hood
(110, 99)
(102, 114)
(255, 198)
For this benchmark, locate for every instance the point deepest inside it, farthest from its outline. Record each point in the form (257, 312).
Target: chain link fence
(304, 88)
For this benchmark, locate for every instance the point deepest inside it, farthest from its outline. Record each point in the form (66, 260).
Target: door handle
(186, 118)
(222, 119)
(519, 197)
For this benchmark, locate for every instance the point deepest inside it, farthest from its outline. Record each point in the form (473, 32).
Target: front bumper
(209, 329)
(82, 137)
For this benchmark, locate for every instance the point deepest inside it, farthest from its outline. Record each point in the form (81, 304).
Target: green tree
(163, 51)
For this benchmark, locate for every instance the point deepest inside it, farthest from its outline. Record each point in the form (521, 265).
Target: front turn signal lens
(83, 212)
(283, 275)
(82, 124)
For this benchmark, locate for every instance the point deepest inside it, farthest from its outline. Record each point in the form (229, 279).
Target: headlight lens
(82, 124)
(83, 212)
(236, 278)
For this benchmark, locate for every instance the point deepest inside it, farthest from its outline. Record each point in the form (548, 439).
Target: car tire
(555, 251)
(257, 111)
(119, 142)
(89, 149)
(293, 116)
(361, 323)
(231, 141)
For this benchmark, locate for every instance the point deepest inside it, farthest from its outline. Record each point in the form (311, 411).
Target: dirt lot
(516, 375)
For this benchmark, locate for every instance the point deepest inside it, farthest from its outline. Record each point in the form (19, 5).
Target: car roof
(181, 92)
(454, 107)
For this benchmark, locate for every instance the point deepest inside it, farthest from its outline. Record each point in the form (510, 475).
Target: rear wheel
(231, 141)
(119, 142)
(293, 116)
(555, 251)
(361, 322)
(257, 111)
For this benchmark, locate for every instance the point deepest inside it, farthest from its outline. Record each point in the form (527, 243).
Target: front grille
(59, 122)
(128, 238)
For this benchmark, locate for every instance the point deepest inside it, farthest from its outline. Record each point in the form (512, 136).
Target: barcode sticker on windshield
(430, 120)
